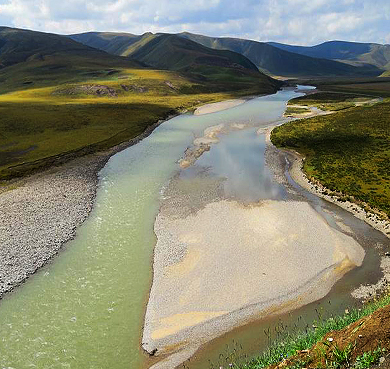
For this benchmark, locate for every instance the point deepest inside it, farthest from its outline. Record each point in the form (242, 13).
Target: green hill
(157, 50)
(219, 69)
(347, 52)
(35, 59)
(280, 62)
(111, 42)
(60, 99)
(172, 52)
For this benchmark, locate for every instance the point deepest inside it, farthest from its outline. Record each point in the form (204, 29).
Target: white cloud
(291, 21)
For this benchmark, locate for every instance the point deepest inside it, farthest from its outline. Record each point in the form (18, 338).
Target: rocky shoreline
(42, 212)
(297, 174)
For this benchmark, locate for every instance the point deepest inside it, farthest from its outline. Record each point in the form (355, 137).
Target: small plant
(341, 356)
(368, 358)
(338, 357)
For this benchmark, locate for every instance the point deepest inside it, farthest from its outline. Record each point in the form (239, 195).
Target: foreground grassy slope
(357, 339)
(348, 151)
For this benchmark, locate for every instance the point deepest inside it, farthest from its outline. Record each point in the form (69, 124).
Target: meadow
(347, 152)
(48, 123)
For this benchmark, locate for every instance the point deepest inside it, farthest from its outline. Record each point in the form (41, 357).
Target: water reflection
(239, 159)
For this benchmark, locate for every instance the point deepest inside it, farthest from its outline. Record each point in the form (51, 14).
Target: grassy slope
(77, 100)
(370, 86)
(165, 51)
(113, 43)
(311, 349)
(33, 59)
(266, 57)
(42, 122)
(281, 62)
(348, 151)
(331, 101)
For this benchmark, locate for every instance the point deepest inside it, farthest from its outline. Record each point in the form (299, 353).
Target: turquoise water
(85, 309)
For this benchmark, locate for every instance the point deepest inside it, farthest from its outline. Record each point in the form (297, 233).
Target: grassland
(294, 110)
(347, 152)
(42, 126)
(329, 101)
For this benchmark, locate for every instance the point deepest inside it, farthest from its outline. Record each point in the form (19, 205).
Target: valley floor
(44, 210)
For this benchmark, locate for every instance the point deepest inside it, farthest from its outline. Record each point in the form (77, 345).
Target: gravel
(40, 213)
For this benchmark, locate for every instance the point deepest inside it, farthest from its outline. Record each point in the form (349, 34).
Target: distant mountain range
(28, 57)
(270, 58)
(348, 52)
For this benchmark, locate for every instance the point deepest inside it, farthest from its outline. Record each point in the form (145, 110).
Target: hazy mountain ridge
(345, 51)
(281, 62)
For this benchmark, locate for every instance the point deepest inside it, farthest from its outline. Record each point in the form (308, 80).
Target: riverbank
(217, 261)
(218, 106)
(42, 212)
(299, 176)
(365, 291)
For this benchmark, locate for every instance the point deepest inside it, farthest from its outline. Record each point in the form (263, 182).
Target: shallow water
(85, 309)
(239, 159)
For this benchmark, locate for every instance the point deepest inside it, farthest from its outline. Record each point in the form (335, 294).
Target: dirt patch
(134, 88)
(96, 90)
(169, 84)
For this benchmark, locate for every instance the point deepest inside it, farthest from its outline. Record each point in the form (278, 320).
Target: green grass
(347, 152)
(368, 358)
(331, 101)
(294, 110)
(43, 126)
(287, 344)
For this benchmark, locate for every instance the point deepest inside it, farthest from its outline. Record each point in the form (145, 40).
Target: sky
(301, 22)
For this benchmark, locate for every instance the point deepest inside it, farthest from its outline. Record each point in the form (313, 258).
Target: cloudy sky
(304, 22)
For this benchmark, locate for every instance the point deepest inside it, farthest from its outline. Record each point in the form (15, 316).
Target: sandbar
(229, 264)
(219, 106)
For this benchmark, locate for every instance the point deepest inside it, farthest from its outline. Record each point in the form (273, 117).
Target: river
(86, 308)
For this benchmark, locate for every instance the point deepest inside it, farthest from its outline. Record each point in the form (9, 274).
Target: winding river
(86, 308)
